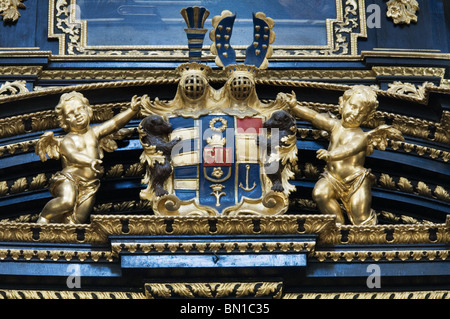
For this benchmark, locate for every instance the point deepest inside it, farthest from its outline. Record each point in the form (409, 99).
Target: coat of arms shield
(220, 151)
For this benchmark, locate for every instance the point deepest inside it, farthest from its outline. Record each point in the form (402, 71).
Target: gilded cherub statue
(81, 151)
(345, 178)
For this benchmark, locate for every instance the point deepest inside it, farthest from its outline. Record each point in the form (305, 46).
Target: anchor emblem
(246, 188)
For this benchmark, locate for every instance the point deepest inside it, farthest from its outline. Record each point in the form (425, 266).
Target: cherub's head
(357, 105)
(74, 111)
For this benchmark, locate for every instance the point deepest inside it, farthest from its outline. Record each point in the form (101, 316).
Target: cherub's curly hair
(67, 97)
(370, 98)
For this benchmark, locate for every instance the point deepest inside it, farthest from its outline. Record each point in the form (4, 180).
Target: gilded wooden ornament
(402, 11)
(11, 88)
(81, 151)
(345, 179)
(9, 9)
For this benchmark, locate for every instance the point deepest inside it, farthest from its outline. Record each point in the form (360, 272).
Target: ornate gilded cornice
(388, 234)
(19, 70)
(219, 75)
(430, 294)
(230, 247)
(103, 226)
(218, 289)
(68, 294)
(380, 255)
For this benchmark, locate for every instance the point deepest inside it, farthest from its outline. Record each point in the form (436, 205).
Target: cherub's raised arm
(118, 121)
(317, 119)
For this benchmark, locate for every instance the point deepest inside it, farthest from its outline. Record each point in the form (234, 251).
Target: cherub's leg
(325, 197)
(360, 203)
(63, 203)
(83, 210)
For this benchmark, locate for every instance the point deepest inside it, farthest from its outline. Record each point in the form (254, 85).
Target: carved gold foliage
(402, 11)
(102, 114)
(214, 290)
(19, 185)
(135, 169)
(9, 9)
(3, 188)
(44, 121)
(410, 89)
(405, 185)
(102, 208)
(11, 126)
(402, 218)
(16, 231)
(386, 181)
(311, 171)
(420, 150)
(29, 218)
(123, 206)
(423, 189)
(115, 171)
(441, 193)
(39, 181)
(305, 203)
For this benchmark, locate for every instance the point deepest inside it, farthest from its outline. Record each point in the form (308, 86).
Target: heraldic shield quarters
(219, 151)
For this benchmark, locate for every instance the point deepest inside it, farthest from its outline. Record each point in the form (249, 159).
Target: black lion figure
(156, 131)
(286, 125)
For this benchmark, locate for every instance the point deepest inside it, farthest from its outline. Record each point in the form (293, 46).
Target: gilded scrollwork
(11, 88)
(402, 11)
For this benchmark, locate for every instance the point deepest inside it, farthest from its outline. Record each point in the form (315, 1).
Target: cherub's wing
(49, 145)
(379, 136)
(107, 144)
